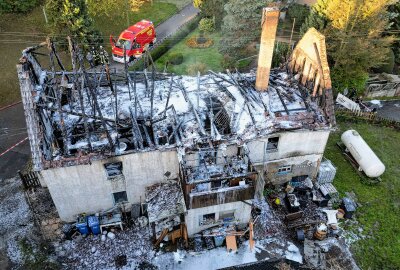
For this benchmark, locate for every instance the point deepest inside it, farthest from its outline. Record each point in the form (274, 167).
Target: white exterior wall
(291, 144)
(86, 189)
(193, 216)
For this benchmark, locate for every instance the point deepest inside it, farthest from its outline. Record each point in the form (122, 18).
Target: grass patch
(380, 210)
(157, 12)
(210, 57)
(33, 25)
(179, 3)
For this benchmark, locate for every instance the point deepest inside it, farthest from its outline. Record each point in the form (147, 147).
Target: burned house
(101, 138)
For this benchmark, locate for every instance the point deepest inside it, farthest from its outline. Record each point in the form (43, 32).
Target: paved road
(12, 120)
(13, 130)
(389, 109)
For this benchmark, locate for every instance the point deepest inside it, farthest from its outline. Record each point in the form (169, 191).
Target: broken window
(207, 219)
(227, 216)
(216, 184)
(113, 169)
(120, 197)
(285, 169)
(272, 144)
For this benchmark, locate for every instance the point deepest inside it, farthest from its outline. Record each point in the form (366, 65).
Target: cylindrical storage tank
(362, 153)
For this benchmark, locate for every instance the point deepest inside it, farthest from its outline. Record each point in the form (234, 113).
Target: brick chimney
(269, 25)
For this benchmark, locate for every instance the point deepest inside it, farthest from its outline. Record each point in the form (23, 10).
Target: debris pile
(132, 246)
(164, 200)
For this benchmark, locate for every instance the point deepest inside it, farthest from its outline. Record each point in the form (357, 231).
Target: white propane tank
(362, 153)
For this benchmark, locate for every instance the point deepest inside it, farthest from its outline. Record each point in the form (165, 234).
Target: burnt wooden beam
(282, 101)
(94, 98)
(73, 52)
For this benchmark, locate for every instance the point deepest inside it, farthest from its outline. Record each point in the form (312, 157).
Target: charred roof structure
(105, 136)
(81, 115)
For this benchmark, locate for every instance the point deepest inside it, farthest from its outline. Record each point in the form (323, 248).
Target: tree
(355, 39)
(17, 6)
(71, 18)
(395, 29)
(317, 17)
(298, 12)
(354, 31)
(241, 26)
(213, 9)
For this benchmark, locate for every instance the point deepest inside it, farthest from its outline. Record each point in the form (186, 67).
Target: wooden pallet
(364, 178)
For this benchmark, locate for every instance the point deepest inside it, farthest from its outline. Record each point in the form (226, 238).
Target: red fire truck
(136, 40)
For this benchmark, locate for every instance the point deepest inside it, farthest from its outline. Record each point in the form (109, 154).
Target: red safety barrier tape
(12, 147)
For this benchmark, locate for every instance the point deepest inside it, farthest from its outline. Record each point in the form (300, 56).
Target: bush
(17, 6)
(341, 80)
(228, 62)
(207, 25)
(175, 58)
(193, 69)
(280, 54)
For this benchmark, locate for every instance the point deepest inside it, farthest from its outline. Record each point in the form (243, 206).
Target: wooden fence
(371, 117)
(30, 179)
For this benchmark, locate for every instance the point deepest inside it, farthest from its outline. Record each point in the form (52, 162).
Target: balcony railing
(221, 196)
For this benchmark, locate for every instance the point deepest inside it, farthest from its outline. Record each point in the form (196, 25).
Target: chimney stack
(269, 25)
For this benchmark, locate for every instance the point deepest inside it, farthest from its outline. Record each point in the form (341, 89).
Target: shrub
(193, 69)
(280, 54)
(175, 59)
(341, 81)
(228, 62)
(17, 6)
(207, 25)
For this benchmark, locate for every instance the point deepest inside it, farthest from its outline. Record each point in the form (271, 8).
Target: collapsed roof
(81, 115)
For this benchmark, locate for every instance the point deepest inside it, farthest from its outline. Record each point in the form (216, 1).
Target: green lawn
(179, 3)
(157, 12)
(30, 29)
(11, 45)
(379, 214)
(210, 57)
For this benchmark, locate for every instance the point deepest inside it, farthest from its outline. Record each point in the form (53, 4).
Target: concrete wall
(304, 165)
(86, 189)
(241, 210)
(303, 150)
(291, 144)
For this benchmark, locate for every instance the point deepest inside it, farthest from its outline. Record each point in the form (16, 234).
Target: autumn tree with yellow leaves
(356, 40)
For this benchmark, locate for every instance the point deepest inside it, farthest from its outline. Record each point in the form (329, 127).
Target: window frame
(286, 169)
(274, 144)
(121, 169)
(125, 199)
(204, 222)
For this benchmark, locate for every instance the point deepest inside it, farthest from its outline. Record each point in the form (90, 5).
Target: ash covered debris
(91, 252)
(89, 115)
(164, 200)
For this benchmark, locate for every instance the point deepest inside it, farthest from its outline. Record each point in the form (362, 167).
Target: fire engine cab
(136, 40)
